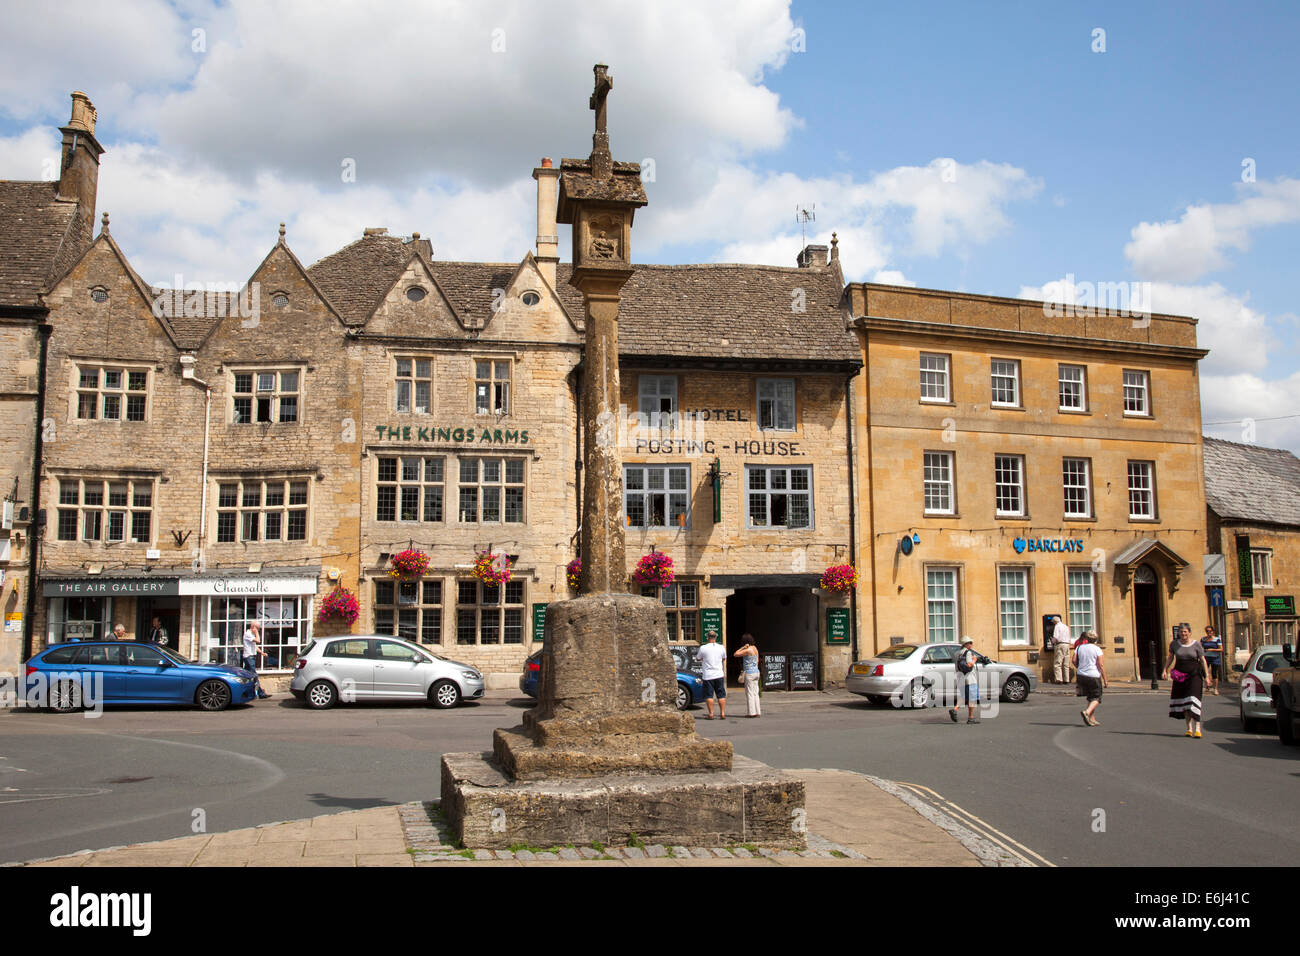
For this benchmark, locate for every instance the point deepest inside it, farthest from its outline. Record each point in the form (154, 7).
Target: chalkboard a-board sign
(539, 623)
(803, 671)
(774, 672)
(837, 625)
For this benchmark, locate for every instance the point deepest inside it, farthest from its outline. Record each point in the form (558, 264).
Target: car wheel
(321, 695)
(1285, 729)
(1248, 724)
(683, 696)
(213, 695)
(1016, 689)
(65, 697)
(918, 695)
(444, 694)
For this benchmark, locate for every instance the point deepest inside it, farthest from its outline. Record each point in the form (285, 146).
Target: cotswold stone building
(44, 229)
(1036, 464)
(1252, 498)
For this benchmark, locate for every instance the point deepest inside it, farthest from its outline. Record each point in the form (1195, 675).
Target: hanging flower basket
(654, 568)
(493, 570)
(574, 573)
(340, 603)
(840, 578)
(410, 563)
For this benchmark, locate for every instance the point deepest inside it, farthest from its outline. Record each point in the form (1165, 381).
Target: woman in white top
(749, 675)
(1089, 674)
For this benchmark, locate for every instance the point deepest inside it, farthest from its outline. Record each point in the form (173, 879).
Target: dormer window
(415, 293)
(99, 294)
(530, 299)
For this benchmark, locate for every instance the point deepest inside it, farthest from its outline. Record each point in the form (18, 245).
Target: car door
(149, 676)
(400, 671)
(939, 669)
(101, 671)
(351, 668)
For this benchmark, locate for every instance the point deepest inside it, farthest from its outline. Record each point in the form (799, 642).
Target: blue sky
(980, 147)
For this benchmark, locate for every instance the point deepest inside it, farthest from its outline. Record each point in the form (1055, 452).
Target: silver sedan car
(1256, 707)
(379, 667)
(916, 675)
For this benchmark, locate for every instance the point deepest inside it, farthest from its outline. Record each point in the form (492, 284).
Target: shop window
(1137, 389)
(779, 497)
(941, 605)
(274, 509)
(265, 396)
(1006, 383)
(776, 404)
(107, 510)
(489, 615)
(1077, 487)
(938, 483)
(414, 380)
(934, 378)
(492, 490)
(285, 625)
(491, 387)
(1009, 486)
(1013, 605)
(1261, 568)
(411, 610)
(657, 496)
(1072, 388)
(1141, 491)
(1081, 601)
(682, 603)
(657, 401)
(112, 394)
(409, 489)
(79, 619)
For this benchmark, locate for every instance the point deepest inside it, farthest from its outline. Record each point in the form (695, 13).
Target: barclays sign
(1054, 545)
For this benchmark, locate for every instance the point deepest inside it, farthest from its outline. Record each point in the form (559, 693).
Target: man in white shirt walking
(713, 660)
(252, 651)
(1061, 643)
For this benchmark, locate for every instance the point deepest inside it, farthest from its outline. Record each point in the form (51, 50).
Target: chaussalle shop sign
(170, 587)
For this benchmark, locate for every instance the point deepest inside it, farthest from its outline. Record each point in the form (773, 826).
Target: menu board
(803, 671)
(837, 625)
(774, 672)
(539, 623)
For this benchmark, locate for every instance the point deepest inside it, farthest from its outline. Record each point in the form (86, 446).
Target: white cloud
(892, 277)
(1198, 242)
(1246, 402)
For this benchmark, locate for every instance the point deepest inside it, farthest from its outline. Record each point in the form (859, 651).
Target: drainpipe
(36, 529)
(853, 518)
(188, 362)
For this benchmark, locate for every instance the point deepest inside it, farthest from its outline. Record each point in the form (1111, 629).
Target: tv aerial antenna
(804, 215)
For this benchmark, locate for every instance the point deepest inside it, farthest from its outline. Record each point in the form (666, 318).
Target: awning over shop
(1151, 551)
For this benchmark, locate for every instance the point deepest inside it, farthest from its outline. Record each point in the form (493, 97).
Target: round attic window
(279, 300)
(531, 298)
(415, 293)
(99, 294)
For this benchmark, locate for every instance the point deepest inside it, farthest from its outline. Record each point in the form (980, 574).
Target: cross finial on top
(597, 102)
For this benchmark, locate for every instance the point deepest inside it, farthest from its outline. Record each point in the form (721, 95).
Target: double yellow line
(982, 827)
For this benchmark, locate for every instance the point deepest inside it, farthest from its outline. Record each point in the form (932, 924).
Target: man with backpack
(967, 683)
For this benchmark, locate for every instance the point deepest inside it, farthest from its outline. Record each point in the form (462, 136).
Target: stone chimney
(79, 171)
(548, 241)
(424, 246)
(812, 257)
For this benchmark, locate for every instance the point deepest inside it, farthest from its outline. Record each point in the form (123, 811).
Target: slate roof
(740, 312)
(1252, 483)
(37, 241)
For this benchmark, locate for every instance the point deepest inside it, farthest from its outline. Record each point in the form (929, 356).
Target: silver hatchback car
(379, 667)
(1256, 704)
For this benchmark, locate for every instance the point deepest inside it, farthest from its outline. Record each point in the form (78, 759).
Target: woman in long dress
(1186, 664)
(749, 674)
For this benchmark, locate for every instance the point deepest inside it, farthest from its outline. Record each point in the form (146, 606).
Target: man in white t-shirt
(713, 660)
(1090, 674)
(252, 651)
(1061, 641)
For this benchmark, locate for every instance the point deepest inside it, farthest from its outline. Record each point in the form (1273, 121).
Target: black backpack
(963, 662)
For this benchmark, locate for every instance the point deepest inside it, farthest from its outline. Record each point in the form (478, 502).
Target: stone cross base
(520, 756)
(751, 803)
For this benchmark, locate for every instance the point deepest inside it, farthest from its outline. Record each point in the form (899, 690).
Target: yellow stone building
(1019, 460)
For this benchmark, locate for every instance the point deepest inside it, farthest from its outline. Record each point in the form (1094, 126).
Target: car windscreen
(897, 653)
(176, 656)
(1268, 663)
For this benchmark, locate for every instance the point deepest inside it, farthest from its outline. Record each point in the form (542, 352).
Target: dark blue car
(68, 677)
(690, 686)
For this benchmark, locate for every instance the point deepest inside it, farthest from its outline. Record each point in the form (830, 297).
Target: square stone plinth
(751, 803)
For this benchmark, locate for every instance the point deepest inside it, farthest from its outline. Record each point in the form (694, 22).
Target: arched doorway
(1147, 627)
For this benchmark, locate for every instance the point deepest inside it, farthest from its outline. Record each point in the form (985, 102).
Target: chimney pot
(546, 163)
(83, 113)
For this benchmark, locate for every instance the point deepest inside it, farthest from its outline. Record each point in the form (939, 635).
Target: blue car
(690, 686)
(68, 677)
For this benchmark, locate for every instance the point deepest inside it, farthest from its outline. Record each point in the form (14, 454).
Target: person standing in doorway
(749, 675)
(1187, 667)
(252, 651)
(1213, 645)
(713, 662)
(1090, 674)
(157, 633)
(1061, 646)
